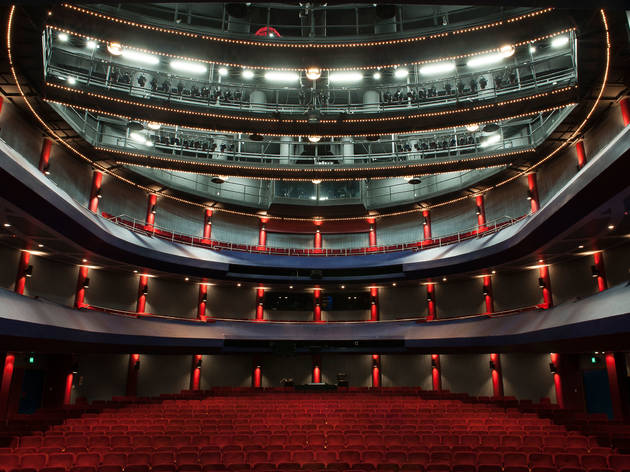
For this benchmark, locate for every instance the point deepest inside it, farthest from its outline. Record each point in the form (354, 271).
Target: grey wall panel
(404, 370)
(282, 240)
(120, 199)
(172, 298)
(572, 279)
(527, 377)
(341, 241)
(20, 135)
(466, 373)
(9, 261)
(234, 229)
(554, 175)
(179, 217)
(516, 289)
(402, 302)
(117, 290)
(101, 376)
(399, 229)
(275, 368)
(231, 302)
(71, 173)
(617, 265)
(52, 280)
(451, 219)
(604, 131)
(280, 315)
(358, 368)
(509, 200)
(163, 374)
(459, 297)
(226, 371)
(346, 315)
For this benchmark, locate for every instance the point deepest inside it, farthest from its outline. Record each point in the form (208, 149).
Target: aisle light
(281, 76)
(140, 57)
(187, 66)
(559, 42)
(345, 77)
(439, 68)
(401, 73)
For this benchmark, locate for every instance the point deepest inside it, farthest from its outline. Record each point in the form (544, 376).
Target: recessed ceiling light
(611, 227)
(7, 225)
(443, 279)
(313, 73)
(494, 271)
(83, 260)
(40, 245)
(314, 139)
(581, 246)
(135, 271)
(187, 279)
(343, 286)
(238, 284)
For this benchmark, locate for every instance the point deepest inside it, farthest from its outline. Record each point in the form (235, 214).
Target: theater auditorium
(315, 236)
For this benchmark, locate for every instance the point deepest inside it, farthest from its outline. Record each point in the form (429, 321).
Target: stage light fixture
(316, 181)
(313, 73)
(472, 127)
(154, 125)
(314, 139)
(115, 49)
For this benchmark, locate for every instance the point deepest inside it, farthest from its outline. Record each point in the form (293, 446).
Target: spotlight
(248, 74)
(40, 245)
(7, 225)
(485, 291)
(472, 127)
(581, 246)
(223, 71)
(429, 297)
(71, 80)
(187, 279)
(115, 49)
(343, 286)
(532, 48)
(317, 182)
(444, 279)
(401, 73)
(377, 75)
(91, 44)
(313, 73)
(46, 169)
(154, 125)
(63, 37)
(478, 210)
(314, 139)
(611, 227)
(530, 195)
(507, 50)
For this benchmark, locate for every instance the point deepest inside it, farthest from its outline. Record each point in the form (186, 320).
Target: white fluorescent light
(439, 68)
(559, 41)
(248, 74)
(281, 76)
(91, 44)
(485, 60)
(345, 77)
(223, 71)
(154, 125)
(377, 75)
(71, 80)
(63, 37)
(187, 66)
(141, 57)
(401, 73)
(139, 138)
(495, 138)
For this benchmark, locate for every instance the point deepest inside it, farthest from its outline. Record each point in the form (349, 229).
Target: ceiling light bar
(345, 77)
(187, 66)
(140, 57)
(436, 69)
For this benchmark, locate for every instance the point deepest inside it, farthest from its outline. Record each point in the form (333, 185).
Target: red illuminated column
(532, 193)
(262, 234)
(376, 371)
(5, 387)
(22, 273)
(318, 240)
(1, 102)
(372, 234)
(95, 192)
(487, 293)
(426, 226)
(581, 153)
(44, 156)
(436, 372)
(260, 297)
(317, 374)
(599, 271)
(257, 377)
(557, 381)
(374, 311)
(67, 393)
(132, 375)
(624, 104)
(431, 309)
(497, 375)
(317, 305)
(544, 281)
(151, 210)
(202, 302)
(195, 374)
(615, 367)
(481, 213)
(82, 284)
(143, 290)
(207, 226)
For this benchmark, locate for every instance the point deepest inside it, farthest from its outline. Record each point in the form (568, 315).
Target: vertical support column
(44, 156)
(317, 243)
(95, 192)
(143, 290)
(257, 377)
(202, 302)
(132, 375)
(497, 375)
(481, 213)
(581, 154)
(260, 297)
(24, 271)
(195, 373)
(487, 293)
(372, 234)
(431, 309)
(151, 210)
(67, 392)
(599, 272)
(624, 104)
(532, 192)
(436, 372)
(262, 234)
(557, 380)
(374, 310)
(616, 367)
(544, 282)
(83, 282)
(317, 305)
(376, 371)
(5, 386)
(317, 373)
(426, 227)
(207, 226)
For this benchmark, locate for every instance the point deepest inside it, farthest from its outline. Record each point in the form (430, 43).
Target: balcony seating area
(359, 429)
